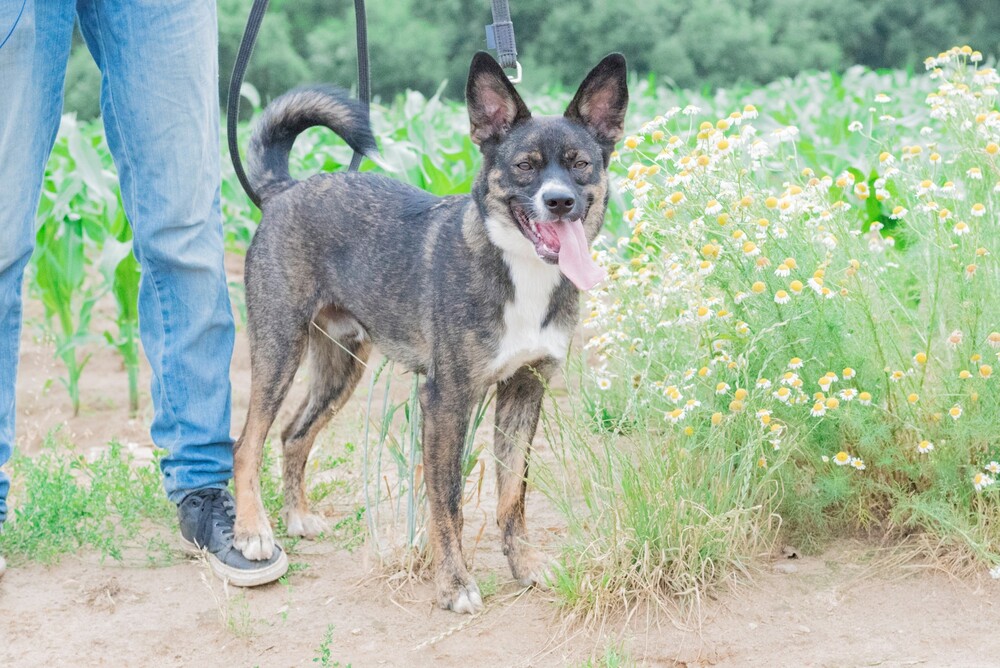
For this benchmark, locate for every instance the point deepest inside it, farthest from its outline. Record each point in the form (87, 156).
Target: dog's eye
(580, 164)
(524, 166)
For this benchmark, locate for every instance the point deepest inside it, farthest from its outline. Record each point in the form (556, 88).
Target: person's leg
(160, 103)
(32, 69)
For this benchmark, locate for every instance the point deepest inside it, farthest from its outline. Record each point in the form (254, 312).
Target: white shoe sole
(236, 576)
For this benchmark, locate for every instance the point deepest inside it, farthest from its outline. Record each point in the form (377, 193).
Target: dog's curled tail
(288, 116)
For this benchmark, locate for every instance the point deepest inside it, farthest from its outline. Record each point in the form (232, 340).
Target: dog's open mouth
(542, 234)
(561, 242)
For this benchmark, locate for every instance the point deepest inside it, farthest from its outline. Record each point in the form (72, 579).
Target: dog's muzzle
(564, 242)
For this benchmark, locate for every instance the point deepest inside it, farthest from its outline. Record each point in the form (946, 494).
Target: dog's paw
(532, 567)
(255, 544)
(463, 598)
(305, 525)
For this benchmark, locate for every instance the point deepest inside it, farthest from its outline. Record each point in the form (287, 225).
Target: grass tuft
(63, 503)
(650, 519)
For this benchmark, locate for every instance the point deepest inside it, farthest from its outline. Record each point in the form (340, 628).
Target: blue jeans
(159, 101)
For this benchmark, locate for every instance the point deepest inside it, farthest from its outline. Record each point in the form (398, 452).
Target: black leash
(257, 12)
(364, 75)
(499, 36)
(235, 84)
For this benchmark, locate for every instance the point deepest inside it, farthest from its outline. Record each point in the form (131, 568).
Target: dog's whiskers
(528, 205)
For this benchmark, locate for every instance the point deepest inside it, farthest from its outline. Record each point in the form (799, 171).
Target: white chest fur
(524, 338)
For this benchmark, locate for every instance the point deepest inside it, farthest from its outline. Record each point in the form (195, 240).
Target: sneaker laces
(220, 511)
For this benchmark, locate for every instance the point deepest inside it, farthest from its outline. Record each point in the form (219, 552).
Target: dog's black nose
(559, 203)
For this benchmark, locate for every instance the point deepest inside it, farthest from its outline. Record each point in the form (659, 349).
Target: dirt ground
(852, 606)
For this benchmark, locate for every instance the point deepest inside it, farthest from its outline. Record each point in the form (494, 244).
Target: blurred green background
(694, 44)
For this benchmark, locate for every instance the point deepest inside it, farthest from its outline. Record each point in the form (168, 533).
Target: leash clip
(500, 36)
(516, 79)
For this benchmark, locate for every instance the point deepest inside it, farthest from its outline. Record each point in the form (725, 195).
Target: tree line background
(686, 43)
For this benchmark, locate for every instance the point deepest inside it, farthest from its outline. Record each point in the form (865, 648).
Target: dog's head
(544, 182)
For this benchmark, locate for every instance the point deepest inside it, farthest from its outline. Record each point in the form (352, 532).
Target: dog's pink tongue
(575, 261)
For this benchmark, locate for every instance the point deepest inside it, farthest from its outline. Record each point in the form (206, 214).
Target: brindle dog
(469, 291)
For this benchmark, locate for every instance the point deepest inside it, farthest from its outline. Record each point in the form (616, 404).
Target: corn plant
(70, 208)
(121, 273)
(67, 294)
(84, 252)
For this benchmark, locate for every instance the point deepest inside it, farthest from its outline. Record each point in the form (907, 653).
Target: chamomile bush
(824, 342)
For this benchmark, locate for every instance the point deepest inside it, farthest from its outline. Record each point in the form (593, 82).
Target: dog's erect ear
(601, 101)
(494, 105)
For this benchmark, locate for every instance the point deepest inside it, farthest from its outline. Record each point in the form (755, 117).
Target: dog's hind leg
(446, 412)
(276, 346)
(519, 401)
(335, 365)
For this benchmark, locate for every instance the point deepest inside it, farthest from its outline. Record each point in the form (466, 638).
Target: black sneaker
(206, 518)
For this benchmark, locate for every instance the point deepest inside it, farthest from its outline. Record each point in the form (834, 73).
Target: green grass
(348, 530)
(650, 518)
(614, 656)
(324, 653)
(64, 503)
(395, 501)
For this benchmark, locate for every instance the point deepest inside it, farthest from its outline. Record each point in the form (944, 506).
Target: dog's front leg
(253, 535)
(519, 401)
(446, 413)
